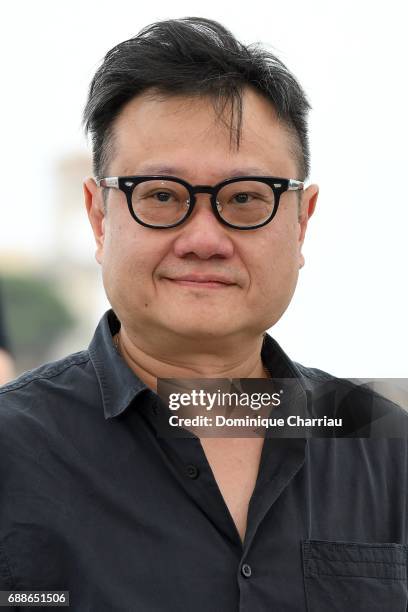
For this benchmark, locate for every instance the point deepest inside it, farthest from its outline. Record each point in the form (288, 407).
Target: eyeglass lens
(165, 202)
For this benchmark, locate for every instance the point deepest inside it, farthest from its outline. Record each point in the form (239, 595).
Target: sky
(350, 308)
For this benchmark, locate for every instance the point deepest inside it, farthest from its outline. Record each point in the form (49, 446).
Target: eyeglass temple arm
(295, 185)
(109, 181)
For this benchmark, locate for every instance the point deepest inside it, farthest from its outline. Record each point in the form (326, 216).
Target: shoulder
(46, 372)
(372, 408)
(314, 374)
(44, 410)
(48, 384)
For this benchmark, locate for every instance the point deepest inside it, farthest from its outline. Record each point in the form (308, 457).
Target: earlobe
(96, 215)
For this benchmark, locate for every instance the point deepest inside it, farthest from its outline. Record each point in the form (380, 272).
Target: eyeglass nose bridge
(202, 189)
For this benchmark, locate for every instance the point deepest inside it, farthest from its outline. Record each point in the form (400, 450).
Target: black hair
(193, 56)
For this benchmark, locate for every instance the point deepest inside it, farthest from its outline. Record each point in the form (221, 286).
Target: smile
(202, 284)
(202, 281)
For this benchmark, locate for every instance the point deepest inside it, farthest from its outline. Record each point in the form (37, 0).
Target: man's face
(142, 267)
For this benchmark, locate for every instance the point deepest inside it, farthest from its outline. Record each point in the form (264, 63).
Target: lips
(204, 278)
(201, 281)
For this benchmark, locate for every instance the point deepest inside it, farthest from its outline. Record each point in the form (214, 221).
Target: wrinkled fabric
(93, 501)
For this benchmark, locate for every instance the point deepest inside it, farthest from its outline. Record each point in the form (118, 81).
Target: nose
(202, 234)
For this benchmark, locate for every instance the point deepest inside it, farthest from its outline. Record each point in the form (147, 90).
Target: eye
(241, 198)
(162, 196)
(159, 196)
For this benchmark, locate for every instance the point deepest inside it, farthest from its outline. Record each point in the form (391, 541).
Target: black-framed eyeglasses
(160, 201)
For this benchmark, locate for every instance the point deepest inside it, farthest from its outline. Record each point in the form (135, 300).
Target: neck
(242, 362)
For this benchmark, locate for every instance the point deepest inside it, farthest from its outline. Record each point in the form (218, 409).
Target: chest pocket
(355, 576)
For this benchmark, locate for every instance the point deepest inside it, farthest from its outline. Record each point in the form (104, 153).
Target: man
(199, 212)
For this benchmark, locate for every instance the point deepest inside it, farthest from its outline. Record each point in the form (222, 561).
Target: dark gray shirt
(93, 501)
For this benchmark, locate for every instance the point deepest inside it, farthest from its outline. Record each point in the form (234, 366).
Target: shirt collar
(119, 385)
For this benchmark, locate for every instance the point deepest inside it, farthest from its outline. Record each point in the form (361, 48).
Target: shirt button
(192, 471)
(246, 570)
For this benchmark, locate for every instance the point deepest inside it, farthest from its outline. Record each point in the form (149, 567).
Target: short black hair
(193, 56)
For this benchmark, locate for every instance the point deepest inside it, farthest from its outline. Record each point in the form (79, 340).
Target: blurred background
(349, 312)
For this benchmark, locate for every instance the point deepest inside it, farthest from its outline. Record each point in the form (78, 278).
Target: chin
(203, 328)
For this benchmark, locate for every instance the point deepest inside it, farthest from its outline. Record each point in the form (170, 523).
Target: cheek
(131, 254)
(124, 263)
(274, 274)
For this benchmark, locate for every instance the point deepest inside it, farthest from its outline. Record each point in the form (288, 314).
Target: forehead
(185, 136)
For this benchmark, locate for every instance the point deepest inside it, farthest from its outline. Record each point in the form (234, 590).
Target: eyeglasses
(160, 202)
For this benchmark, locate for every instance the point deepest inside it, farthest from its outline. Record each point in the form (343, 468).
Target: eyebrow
(179, 171)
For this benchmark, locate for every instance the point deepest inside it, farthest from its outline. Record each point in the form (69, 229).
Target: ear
(96, 214)
(307, 207)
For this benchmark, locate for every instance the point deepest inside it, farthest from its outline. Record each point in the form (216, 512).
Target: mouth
(201, 282)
